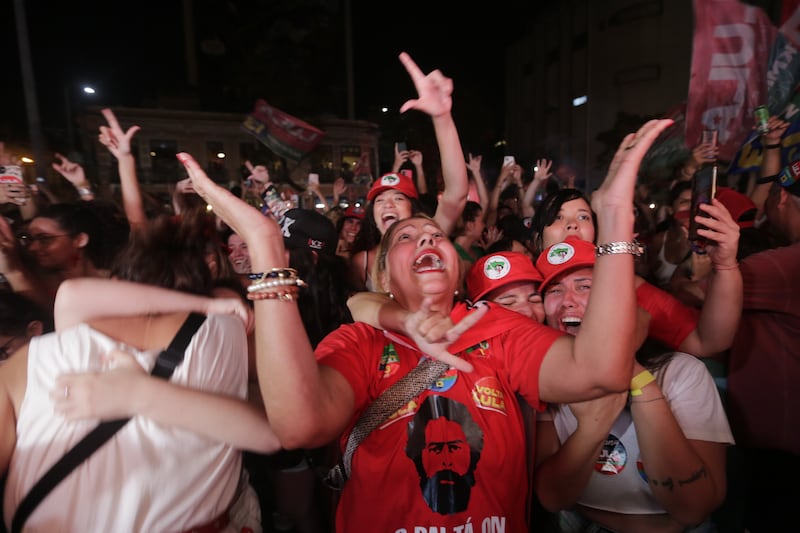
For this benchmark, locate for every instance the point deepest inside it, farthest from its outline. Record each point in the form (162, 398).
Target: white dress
(148, 477)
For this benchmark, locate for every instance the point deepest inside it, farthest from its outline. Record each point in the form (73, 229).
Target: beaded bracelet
(274, 283)
(283, 296)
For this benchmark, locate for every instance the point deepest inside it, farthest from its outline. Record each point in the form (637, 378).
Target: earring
(455, 292)
(391, 295)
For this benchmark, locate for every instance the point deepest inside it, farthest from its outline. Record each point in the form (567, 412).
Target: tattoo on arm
(670, 484)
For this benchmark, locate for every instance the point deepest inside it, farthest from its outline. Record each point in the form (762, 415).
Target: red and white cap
(493, 271)
(571, 254)
(399, 182)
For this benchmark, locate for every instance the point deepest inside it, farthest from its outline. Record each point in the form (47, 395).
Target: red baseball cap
(493, 271)
(738, 205)
(399, 182)
(562, 257)
(354, 211)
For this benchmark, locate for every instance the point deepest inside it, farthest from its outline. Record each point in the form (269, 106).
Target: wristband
(640, 380)
(772, 146)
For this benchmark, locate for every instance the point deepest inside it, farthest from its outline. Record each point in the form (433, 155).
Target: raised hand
(112, 137)
(435, 90)
(777, 128)
(542, 172)
(616, 191)
(474, 164)
(72, 172)
(242, 218)
(433, 332)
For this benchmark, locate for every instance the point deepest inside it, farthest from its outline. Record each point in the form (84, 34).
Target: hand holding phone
(704, 188)
(402, 147)
(313, 178)
(11, 174)
(508, 160)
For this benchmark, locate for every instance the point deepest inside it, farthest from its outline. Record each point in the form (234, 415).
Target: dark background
(291, 53)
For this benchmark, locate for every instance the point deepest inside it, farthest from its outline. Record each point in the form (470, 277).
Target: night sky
(291, 53)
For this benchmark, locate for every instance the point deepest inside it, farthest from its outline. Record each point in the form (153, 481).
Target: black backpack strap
(165, 365)
(170, 358)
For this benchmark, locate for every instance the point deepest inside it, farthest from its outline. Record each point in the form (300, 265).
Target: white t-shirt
(618, 483)
(148, 477)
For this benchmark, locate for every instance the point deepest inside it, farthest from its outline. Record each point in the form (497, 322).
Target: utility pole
(29, 89)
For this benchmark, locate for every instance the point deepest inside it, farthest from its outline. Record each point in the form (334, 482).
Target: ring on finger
(66, 391)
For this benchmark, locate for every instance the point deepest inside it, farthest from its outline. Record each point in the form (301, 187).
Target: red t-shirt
(671, 321)
(455, 454)
(764, 362)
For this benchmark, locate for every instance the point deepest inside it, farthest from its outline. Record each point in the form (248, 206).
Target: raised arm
(74, 173)
(722, 306)
(503, 181)
(474, 166)
(435, 98)
(127, 390)
(82, 299)
(540, 177)
(600, 360)
(309, 405)
(118, 143)
(770, 161)
(415, 156)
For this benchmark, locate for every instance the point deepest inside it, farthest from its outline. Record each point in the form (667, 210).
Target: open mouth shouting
(387, 219)
(570, 324)
(428, 261)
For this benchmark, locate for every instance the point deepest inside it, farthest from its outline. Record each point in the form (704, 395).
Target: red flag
(282, 133)
(730, 55)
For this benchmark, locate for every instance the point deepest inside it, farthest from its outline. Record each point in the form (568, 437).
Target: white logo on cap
(315, 244)
(560, 253)
(496, 267)
(391, 179)
(285, 226)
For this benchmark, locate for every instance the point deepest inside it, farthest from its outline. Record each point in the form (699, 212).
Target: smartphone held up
(704, 189)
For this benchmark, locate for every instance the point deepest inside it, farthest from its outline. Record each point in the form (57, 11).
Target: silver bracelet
(620, 247)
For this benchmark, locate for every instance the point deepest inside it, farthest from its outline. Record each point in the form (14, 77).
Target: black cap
(304, 228)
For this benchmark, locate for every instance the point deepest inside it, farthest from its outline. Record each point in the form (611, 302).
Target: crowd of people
(498, 355)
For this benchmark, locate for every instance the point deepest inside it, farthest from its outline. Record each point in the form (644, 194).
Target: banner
(730, 53)
(783, 86)
(282, 133)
